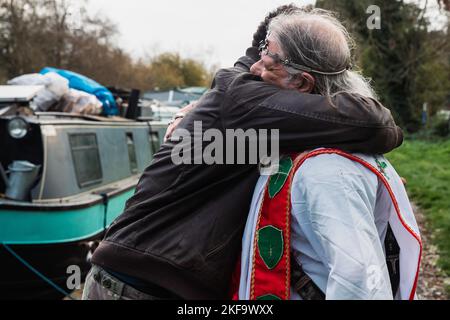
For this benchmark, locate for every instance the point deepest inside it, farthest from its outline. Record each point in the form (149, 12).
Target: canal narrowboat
(64, 179)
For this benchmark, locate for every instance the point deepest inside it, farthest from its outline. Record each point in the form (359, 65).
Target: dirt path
(432, 281)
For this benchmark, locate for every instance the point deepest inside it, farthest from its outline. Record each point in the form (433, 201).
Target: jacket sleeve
(305, 121)
(250, 58)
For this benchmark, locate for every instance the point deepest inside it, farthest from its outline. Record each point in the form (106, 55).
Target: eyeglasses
(264, 49)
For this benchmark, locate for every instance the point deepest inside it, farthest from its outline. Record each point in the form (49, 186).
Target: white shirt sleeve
(333, 203)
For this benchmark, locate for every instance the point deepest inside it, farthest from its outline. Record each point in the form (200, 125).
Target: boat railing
(81, 116)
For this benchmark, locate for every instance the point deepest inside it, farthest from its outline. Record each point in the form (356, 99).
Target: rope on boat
(105, 199)
(40, 275)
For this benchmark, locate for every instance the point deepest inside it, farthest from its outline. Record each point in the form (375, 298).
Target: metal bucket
(22, 176)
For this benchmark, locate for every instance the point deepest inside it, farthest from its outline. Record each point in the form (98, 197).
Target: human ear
(304, 82)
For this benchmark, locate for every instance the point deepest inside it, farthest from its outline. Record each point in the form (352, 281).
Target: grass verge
(426, 166)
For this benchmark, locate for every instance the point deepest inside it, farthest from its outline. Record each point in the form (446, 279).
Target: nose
(257, 68)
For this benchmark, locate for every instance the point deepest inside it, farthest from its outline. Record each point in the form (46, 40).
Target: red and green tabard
(271, 267)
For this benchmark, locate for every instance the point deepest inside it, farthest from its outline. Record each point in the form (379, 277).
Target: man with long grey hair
(319, 50)
(329, 224)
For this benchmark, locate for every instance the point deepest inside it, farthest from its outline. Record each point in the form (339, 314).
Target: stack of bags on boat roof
(67, 91)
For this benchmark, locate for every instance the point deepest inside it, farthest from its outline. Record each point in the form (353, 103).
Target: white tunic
(340, 215)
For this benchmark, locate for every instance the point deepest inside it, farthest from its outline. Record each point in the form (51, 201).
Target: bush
(441, 126)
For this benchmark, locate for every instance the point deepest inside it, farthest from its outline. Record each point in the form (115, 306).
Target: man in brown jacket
(180, 234)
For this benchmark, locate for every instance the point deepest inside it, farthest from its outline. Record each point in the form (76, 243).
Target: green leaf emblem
(271, 246)
(278, 180)
(382, 166)
(268, 297)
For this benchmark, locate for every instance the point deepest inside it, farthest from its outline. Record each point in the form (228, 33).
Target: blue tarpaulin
(83, 83)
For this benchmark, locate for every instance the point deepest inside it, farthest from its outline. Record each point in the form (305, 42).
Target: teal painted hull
(50, 242)
(55, 227)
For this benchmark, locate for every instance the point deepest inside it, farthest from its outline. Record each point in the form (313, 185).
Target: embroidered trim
(286, 188)
(255, 243)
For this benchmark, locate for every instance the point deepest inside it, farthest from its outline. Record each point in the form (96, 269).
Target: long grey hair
(318, 40)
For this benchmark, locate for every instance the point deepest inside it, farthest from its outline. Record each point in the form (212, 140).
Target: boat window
(132, 153)
(86, 159)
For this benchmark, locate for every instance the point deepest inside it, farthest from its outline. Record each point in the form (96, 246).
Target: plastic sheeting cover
(83, 83)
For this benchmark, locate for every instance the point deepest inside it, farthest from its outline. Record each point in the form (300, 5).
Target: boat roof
(47, 118)
(56, 118)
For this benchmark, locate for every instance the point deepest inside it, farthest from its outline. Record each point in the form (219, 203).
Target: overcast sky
(214, 31)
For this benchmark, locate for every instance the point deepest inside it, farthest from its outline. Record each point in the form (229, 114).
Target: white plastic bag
(44, 100)
(55, 87)
(57, 84)
(33, 79)
(79, 102)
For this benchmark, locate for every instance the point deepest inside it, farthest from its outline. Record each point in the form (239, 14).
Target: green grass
(426, 166)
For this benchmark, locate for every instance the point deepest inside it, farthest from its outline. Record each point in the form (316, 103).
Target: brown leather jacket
(182, 229)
